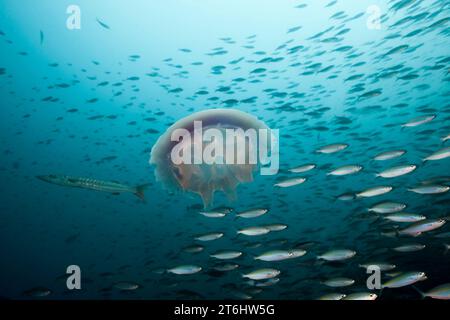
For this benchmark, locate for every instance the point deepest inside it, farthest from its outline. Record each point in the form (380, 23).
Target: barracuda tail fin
(140, 191)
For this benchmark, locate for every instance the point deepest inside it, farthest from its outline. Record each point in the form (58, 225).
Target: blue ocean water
(92, 102)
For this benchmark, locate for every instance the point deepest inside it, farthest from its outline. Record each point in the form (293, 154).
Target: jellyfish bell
(212, 150)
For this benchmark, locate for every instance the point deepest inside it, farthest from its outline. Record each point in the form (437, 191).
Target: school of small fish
(355, 189)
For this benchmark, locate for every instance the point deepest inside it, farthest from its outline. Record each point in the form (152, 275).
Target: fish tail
(377, 220)
(319, 262)
(397, 233)
(445, 250)
(139, 191)
(420, 292)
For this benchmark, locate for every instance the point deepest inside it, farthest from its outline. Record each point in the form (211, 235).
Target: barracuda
(93, 184)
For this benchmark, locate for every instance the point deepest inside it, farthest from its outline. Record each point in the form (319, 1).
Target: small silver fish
(225, 255)
(413, 247)
(333, 296)
(361, 296)
(193, 249)
(242, 295)
(387, 207)
(38, 292)
(441, 292)
(419, 121)
(126, 286)
(279, 255)
(442, 235)
(303, 168)
(430, 189)
(254, 231)
(405, 217)
(447, 137)
(337, 255)
(332, 148)
(338, 282)
(263, 283)
(375, 191)
(226, 267)
(345, 170)
(276, 227)
(252, 213)
(389, 155)
(346, 196)
(439, 155)
(405, 279)
(209, 236)
(382, 265)
(397, 171)
(213, 214)
(185, 269)
(290, 182)
(422, 226)
(217, 212)
(262, 274)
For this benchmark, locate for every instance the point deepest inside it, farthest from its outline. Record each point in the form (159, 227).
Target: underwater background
(92, 102)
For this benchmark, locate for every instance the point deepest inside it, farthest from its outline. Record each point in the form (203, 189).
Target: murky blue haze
(92, 102)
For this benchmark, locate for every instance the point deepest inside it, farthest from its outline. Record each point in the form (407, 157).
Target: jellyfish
(227, 142)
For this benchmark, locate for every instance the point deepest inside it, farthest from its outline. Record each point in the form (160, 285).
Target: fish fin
(140, 191)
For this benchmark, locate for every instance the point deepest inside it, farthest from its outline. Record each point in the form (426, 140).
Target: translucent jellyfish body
(209, 151)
